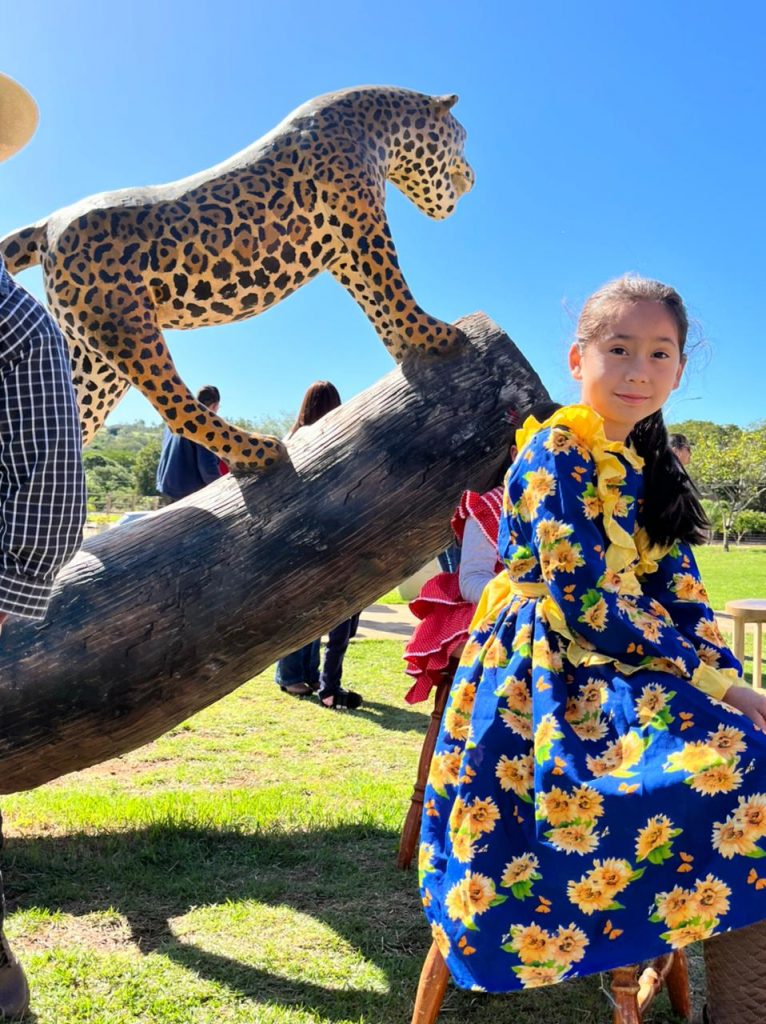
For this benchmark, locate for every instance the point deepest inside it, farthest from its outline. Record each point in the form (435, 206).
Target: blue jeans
(337, 645)
(302, 666)
(449, 559)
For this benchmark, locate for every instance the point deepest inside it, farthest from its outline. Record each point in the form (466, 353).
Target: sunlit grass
(242, 869)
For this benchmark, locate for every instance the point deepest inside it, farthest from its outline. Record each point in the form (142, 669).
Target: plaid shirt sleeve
(42, 486)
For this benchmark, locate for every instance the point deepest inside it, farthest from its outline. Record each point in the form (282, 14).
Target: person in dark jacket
(184, 466)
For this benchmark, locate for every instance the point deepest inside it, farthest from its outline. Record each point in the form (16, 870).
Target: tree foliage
(729, 466)
(145, 467)
(121, 461)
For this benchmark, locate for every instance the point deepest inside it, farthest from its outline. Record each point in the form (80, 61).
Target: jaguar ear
(443, 104)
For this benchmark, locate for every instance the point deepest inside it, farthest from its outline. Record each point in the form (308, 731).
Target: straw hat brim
(18, 117)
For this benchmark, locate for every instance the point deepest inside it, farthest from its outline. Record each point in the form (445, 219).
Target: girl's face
(628, 373)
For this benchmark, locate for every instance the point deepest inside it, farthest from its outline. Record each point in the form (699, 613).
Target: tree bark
(153, 621)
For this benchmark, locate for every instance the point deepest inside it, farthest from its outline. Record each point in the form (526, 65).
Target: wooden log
(154, 621)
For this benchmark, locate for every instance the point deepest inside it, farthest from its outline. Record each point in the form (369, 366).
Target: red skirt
(443, 630)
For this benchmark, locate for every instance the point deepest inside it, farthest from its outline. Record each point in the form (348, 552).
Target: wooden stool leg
(431, 988)
(677, 981)
(758, 655)
(625, 995)
(411, 829)
(739, 640)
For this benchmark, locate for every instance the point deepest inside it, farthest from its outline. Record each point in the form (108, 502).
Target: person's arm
(677, 585)
(553, 492)
(42, 486)
(207, 464)
(477, 562)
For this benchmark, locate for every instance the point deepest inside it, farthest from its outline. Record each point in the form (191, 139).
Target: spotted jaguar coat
(231, 241)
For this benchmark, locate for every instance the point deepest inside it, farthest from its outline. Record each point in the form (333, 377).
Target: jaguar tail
(22, 248)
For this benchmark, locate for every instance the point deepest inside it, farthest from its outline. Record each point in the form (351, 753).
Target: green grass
(103, 518)
(732, 575)
(392, 597)
(241, 869)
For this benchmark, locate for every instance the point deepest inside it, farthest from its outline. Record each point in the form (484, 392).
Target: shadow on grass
(394, 717)
(159, 873)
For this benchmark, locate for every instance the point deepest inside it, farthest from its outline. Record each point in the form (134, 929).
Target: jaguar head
(427, 162)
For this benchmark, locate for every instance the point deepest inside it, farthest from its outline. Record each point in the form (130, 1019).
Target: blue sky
(605, 137)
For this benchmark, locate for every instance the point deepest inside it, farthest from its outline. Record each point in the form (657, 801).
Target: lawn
(732, 575)
(241, 869)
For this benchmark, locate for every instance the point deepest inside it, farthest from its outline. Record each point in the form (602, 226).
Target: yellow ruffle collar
(610, 476)
(589, 427)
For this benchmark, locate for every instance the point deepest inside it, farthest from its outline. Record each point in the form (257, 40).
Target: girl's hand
(750, 702)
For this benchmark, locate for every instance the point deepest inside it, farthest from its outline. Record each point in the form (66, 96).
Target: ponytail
(672, 508)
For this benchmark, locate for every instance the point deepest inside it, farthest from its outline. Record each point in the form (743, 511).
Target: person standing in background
(681, 448)
(185, 466)
(298, 673)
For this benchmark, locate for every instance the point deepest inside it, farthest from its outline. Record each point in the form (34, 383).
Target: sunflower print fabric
(591, 801)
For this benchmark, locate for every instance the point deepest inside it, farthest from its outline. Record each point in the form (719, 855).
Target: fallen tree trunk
(156, 620)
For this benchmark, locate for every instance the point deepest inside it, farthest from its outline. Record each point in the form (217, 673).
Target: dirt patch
(115, 768)
(90, 931)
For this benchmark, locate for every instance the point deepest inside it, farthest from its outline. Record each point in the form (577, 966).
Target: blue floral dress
(591, 802)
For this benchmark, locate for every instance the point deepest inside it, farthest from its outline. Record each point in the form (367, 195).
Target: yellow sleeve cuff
(713, 681)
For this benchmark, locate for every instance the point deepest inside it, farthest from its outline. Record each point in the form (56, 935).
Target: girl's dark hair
(322, 397)
(672, 508)
(541, 411)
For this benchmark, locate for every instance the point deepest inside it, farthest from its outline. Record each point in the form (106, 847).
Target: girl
(298, 673)
(597, 795)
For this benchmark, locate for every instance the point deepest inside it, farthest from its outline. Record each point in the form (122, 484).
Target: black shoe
(297, 689)
(14, 989)
(341, 699)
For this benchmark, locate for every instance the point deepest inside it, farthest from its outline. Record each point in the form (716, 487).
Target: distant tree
(93, 459)
(110, 485)
(122, 456)
(145, 466)
(713, 512)
(729, 465)
(749, 521)
(277, 425)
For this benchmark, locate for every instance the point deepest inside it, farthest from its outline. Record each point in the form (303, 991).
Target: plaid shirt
(42, 487)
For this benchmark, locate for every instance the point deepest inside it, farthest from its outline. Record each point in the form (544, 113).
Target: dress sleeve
(555, 493)
(678, 587)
